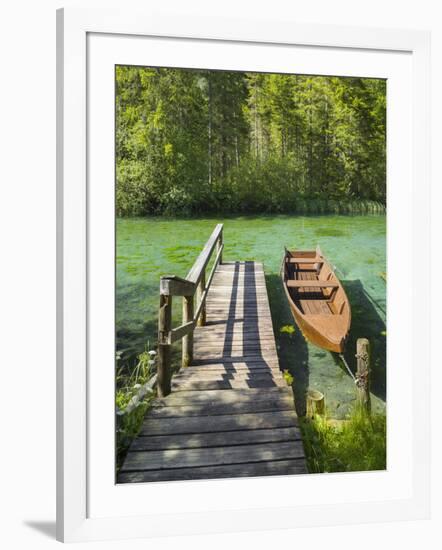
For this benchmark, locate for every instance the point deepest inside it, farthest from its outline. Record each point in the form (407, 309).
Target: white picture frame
(82, 517)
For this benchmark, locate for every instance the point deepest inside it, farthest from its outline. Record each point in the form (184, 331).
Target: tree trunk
(310, 131)
(209, 79)
(256, 122)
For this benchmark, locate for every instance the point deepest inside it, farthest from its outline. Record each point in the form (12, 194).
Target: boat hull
(325, 322)
(314, 335)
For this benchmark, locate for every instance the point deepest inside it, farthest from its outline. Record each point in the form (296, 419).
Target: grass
(131, 402)
(355, 444)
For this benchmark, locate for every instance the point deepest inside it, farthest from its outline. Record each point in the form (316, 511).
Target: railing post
(164, 327)
(188, 339)
(201, 289)
(220, 242)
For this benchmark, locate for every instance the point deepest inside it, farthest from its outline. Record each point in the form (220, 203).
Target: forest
(191, 142)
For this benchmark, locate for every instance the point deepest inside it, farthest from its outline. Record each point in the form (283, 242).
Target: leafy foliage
(199, 141)
(131, 401)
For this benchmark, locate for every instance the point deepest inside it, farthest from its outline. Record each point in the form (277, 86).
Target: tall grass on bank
(132, 401)
(355, 444)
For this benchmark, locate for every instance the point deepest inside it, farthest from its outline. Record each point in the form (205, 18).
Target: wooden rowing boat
(317, 299)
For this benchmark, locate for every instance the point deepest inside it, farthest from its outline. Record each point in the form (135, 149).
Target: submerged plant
(288, 377)
(287, 329)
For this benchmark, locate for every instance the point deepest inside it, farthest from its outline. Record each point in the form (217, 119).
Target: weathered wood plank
(204, 385)
(239, 329)
(213, 456)
(239, 347)
(230, 363)
(240, 359)
(183, 379)
(237, 339)
(248, 287)
(237, 310)
(207, 356)
(214, 409)
(216, 369)
(236, 343)
(254, 469)
(231, 422)
(246, 347)
(238, 299)
(219, 396)
(232, 370)
(246, 328)
(219, 439)
(238, 307)
(238, 335)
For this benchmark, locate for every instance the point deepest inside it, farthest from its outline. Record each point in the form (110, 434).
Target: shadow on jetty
(292, 347)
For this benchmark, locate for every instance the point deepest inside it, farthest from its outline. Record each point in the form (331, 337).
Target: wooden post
(363, 373)
(315, 403)
(201, 289)
(220, 242)
(164, 326)
(188, 339)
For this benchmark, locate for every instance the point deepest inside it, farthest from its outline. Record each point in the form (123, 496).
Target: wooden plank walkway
(230, 413)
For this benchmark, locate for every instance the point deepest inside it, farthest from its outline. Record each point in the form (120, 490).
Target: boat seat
(306, 260)
(312, 284)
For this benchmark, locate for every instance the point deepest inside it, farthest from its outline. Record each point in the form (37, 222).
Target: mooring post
(201, 289)
(188, 338)
(363, 373)
(164, 326)
(315, 403)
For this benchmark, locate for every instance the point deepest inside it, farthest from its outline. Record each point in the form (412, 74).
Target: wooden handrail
(203, 297)
(172, 285)
(196, 270)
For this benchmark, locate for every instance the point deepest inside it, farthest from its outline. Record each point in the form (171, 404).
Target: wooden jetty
(228, 412)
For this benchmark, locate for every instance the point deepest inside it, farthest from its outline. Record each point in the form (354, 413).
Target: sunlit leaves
(205, 141)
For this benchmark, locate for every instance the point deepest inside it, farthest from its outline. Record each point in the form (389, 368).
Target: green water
(150, 247)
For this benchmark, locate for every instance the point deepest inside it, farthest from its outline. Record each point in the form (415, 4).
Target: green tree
(194, 141)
